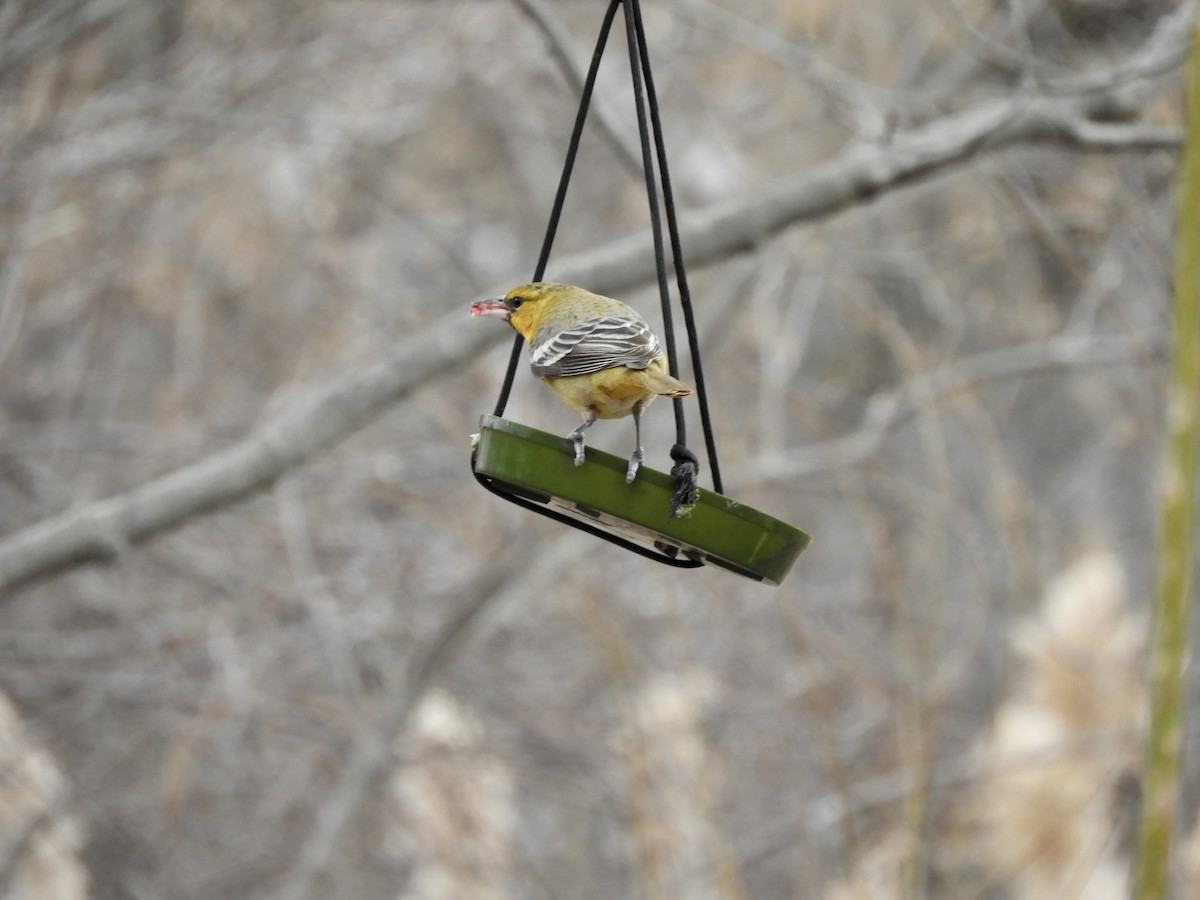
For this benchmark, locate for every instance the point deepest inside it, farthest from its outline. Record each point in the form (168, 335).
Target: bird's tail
(663, 384)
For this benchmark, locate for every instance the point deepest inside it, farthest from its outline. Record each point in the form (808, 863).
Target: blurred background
(214, 210)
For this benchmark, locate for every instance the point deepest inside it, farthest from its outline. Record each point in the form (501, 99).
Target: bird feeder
(665, 517)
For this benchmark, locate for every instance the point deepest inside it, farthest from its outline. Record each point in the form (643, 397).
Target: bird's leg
(576, 436)
(635, 461)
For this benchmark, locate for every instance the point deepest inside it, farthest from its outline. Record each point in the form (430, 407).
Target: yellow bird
(596, 353)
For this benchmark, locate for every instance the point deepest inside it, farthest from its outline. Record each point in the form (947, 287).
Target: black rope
(660, 264)
(685, 296)
(585, 100)
(560, 195)
(509, 375)
(686, 464)
(670, 559)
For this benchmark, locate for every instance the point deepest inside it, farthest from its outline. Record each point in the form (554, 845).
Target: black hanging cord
(685, 297)
(660, 265)
(560, 195)
(680, 562)
(686, 463)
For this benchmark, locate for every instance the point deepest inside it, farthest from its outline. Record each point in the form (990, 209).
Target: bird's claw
(635, 463)
(579, 456)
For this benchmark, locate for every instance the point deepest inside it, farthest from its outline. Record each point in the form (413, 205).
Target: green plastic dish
(719, 531)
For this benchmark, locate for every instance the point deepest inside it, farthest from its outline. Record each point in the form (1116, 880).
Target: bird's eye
(516, 301)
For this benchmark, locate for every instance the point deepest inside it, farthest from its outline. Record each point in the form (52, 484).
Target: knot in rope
(685, 470)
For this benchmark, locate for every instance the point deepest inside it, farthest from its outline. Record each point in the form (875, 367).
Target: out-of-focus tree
(929, 248)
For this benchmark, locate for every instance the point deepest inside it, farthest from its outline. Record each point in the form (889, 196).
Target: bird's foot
(576, 436)
(635, 463)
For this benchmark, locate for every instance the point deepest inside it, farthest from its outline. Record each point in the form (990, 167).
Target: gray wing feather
(593, 345)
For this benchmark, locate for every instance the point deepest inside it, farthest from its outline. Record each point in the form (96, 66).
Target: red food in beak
(494, 308)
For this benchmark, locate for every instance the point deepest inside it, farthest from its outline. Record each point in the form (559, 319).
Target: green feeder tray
(540, 467)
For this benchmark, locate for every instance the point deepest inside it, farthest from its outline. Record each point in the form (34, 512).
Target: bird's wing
(592, 345)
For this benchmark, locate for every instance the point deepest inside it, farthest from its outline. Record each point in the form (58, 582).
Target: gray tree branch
(100, 530)
(629, 154)
(889, 410)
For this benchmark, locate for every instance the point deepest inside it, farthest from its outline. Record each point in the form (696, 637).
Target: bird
(596, 353)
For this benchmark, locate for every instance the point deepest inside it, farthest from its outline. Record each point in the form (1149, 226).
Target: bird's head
(523, 306)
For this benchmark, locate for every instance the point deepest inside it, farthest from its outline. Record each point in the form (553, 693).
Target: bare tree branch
(859, 106)
(374, 757)
(861, 172)
(53, 26)
(374, 754)
(888, 410)
(628, 153)
(102, 529)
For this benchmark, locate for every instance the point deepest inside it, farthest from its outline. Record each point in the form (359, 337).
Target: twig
(887, 411)
(372, 757)
(857, 104)
(100, 530)
(1177, 498)
(560, 49)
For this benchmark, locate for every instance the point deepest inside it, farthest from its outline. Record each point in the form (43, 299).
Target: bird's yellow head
(526, 305)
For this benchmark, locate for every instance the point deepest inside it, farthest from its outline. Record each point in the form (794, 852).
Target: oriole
(596, 353)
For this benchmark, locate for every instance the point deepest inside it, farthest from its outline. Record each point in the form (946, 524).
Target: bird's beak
(494, 307)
